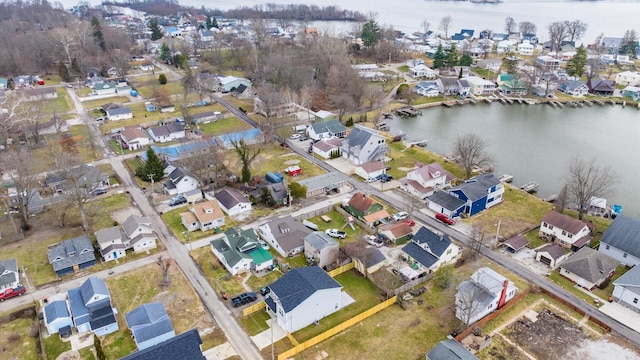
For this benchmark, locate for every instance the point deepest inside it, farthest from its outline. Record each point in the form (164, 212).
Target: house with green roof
(509, 85)
(240, 251)
(3, 83)
(327, 129)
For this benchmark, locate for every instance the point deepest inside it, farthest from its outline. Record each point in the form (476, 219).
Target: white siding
(319, 305)
(619, 255)
(623, 294)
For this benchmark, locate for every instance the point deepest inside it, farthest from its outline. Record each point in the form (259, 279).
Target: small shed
(193, 196)
(550, 255)
(149, 106)
(516, 243)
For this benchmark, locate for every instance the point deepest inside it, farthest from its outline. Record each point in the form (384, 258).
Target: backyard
(16, 329)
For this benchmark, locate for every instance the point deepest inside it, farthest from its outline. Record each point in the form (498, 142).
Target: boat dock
(408, 111)
(409, 144)
(596, 101)
(530, 187)
(507, 178)
(550, 198)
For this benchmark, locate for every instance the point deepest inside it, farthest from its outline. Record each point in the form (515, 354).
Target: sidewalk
(625, 316)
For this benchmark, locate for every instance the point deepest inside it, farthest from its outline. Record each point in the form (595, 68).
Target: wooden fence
(341, 269)
(604, 326)
(253, 308)
(336, 329)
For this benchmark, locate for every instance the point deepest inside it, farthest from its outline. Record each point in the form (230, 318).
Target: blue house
(632, 92)
(57, 316)
(532, 38)
(71, 255)
(91, 307)
(184, 346)
(149, 325)
(479, 193)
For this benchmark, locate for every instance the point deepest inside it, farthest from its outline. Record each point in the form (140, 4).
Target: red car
(445, 219)
(410, 222)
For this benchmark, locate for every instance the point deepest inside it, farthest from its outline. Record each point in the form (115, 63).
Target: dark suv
(178, 200)
(243, 299)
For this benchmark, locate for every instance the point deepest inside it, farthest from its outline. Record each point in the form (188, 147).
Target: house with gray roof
(551, 255)
(622, 240)
(110, 243)
(135, 233)
(479, 192)
(574, 87)
(187, 345)
(320, 249)
(168, 132)
(444, 203)
(118, 113)
(626, 289)
(180, 181)
(427, 251)
(480, 296)
(87, 178)
(57, 316)
(40, 93)
(91, 307)
(71, 255)
(104, 88)
(239, 251)
(450, 349)
(326, 130)
(232, 201)
(285, 235)
(323, 183)
(9, 277)
(367, 259)
(364, 145)
(588, 267)
(149, 325)
(303, 296)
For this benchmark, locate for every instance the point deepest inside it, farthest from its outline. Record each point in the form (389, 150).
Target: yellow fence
(253, 308)
(341, 269)
(336, 329)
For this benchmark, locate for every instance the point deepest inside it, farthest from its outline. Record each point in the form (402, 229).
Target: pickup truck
(9, 293)
(336, 233)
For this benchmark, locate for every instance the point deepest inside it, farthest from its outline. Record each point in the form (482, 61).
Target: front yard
(217, 275)
(174, 222)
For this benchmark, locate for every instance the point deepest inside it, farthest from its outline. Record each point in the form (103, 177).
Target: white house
(232, 202)
(110, 243)
(230, 83)
(303, 296)
(424, 180)
(525, 48)
(180, 181)
(320, 248)
(149, 325)
(325, 148)
(285, 235)
(138, 234)
(203, 216)
(168, 132)
(9, 278)
(564, 230)
(551, 255)
(628, 78)
(427, 88)
(484, 293)
(622, 240)
(588, 267)
(427, 251)
(364, 145)
(479, 86)
(422, 71)
(326, 130)
(370, 170)
(504, 46)
(133, 138)
(626, 289)
(119, 113)
(239, 251)
(104, 88)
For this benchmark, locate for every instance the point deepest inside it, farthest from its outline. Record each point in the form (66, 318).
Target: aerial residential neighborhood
(194, 183)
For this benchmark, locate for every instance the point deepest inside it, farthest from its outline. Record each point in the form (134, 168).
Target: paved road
(515, 267)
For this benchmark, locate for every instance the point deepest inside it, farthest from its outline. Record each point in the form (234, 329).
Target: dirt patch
(69, 355)
(121, 215)
(292, 162)
(549, 337)
(405, 169)
(603, 348)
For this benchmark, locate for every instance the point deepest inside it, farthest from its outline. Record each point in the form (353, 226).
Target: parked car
(264, 245)
(410, 222)
(336, 233)
(99, 191)
(243, 299)
(445, 219)
(373, 240)
(303, 138)
(384, 178)
(295, 136)
(400, 216)
(177, 200)
(265, 290)
(370, 180)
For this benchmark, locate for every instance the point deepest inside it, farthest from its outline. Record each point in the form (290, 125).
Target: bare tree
(21, 167)
(246, 154)
(563, 199)
(468, 299)
(576, 29)
(527, 27)
(477, 240)
(200, 164)
(586, 179)
(558, 32)
(66, 39)
(471, 150)
(510, 25)
(164, 266)
(10, 115)
(425, 26)
(445, 24)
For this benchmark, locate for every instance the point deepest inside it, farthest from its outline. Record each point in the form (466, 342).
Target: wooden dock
(409, 144)
(408, 111)
(448, 103)
(596, 101)
(550, 198)
(507, 178)
(530, 187)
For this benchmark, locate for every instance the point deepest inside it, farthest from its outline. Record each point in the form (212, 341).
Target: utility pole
(150, 176)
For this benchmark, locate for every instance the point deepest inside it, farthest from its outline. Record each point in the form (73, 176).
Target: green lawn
(100, 210)
(217, 275)
(403, 68)
(59, 105)
(534, 239)
(54, 346)
(407, 159)
(17, 342)
(361, 289)
(258, 282)
(608, 290)
(338, 221)
(255, 323)
(224, 126)
(570, 286)
(97, 104)
(426, 100)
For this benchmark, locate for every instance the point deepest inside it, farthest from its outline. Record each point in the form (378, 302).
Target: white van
(310, 225)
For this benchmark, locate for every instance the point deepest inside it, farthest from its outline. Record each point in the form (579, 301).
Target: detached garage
(550, 255)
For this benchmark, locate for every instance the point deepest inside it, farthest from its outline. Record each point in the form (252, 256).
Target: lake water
(536, 142)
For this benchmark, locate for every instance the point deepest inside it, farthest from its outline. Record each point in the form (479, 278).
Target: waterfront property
(631, 92)
(588, 267)
(564, 230)
(424, 180)
(479, 192)
(364, 145)
(622, 240)
(626, 290)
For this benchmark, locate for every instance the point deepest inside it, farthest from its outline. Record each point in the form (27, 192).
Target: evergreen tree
(156, 33)
(577, 64)
(212, 22)
(74, 66)
(451, 57)
(370, 33)
(297, 191)
(63, 72)
(165, 52)
(153, 168)
(162, 79)
(180, 61)
(466, 60)
(438, 58)
(97, 33)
